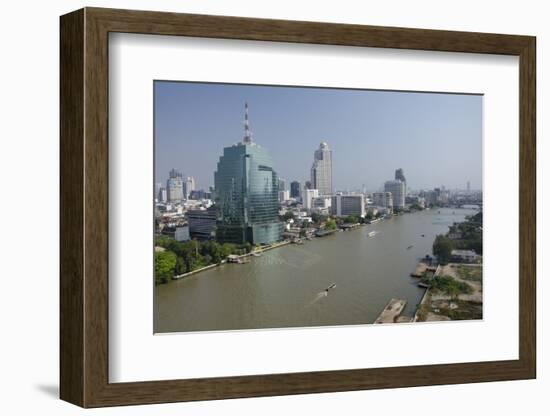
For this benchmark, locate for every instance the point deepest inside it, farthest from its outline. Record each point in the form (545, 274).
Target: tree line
(470, 238)
(184, 257)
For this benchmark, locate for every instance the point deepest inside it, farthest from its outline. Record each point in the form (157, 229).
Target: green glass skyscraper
(246, 194)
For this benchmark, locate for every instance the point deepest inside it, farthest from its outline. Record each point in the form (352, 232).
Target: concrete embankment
(211, 266)
(391, 312)
(425, 296)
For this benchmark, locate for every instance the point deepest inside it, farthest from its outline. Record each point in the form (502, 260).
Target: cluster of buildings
(181, 211)
(249, 197)
(178, 188)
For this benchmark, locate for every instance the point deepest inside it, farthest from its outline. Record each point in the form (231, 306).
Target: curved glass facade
(246, 196)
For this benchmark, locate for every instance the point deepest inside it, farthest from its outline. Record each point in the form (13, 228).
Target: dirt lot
(467, 304)
(469, 274)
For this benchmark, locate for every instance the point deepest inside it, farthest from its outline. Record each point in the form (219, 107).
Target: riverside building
(344, 205)
(246, 194)
(382, 199)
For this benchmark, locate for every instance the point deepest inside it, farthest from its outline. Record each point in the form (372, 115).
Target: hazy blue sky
(435, 138)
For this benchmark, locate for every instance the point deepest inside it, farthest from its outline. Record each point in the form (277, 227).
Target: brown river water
(285, 286)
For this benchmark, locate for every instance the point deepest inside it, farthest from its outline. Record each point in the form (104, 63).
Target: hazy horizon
(435, 138)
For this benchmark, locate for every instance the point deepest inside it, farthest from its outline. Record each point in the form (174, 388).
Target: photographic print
(292, 207)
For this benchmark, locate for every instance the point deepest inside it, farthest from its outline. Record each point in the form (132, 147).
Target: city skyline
(379, 131)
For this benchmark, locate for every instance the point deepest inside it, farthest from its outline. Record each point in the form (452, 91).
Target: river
(285, 286)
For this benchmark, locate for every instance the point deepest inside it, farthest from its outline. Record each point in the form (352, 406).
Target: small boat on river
(332, 286)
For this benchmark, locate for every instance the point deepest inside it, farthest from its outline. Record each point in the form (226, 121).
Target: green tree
(442, 248)
(351, 219)
(213, 250)
(227, 249)
(477, 218)
(318, 218)
(163, 241)
(475, 244)
(450, 286)
(369, 216)
(330, 224)
(165, 263)
(181, 266)
(176, 247)
(289, 215)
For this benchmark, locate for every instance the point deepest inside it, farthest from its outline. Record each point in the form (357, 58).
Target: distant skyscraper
(397, 190)
(308, 185)
(400, 176)
(282, 184)
(284, 196)
(321, 171)
(468, 187)
(246, 194)
(189, 186)
(162, 196)
(174, 186)
(174, 173)
(295, 189)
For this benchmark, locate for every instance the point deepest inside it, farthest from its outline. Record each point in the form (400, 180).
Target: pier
(422, 268)
(391, 312)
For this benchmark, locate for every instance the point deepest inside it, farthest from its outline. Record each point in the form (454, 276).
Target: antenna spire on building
(247, 133)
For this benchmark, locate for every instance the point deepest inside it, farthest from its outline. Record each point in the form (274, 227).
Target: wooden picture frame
(84, 207)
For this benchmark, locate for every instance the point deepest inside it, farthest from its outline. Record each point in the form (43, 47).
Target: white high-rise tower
(321, 171)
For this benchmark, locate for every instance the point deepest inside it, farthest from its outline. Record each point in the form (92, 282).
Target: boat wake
(317, 298)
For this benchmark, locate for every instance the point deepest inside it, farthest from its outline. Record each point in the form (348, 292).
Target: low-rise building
(307, 199)
(464, 256)
(382, 199)
(182, 233)
(202, 223)
(322, 205)
(178, 233)
(344, 205)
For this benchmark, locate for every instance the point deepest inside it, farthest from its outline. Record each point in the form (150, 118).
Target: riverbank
(202, 269)
(458, 295)
(254, 253)
(455, 290)
(285, 286)
(392, 312)
(239, 259)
